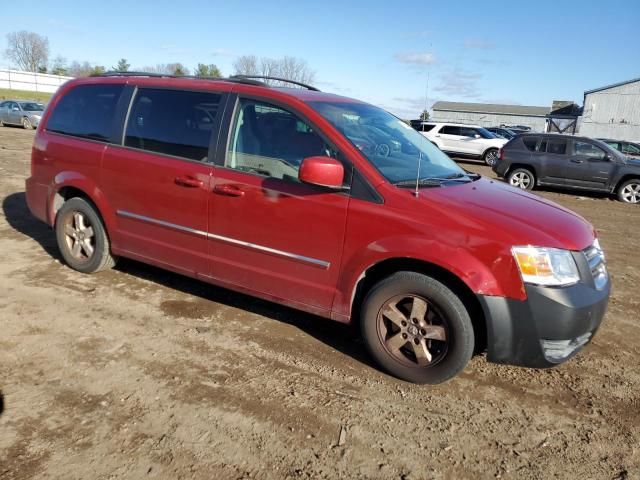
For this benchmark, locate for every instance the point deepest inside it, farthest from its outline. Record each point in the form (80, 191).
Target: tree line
(29, 51)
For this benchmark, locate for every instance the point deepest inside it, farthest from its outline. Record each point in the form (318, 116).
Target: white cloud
(459, 83)
(419, 58)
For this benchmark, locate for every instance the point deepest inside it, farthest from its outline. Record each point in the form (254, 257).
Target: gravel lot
(141, 373)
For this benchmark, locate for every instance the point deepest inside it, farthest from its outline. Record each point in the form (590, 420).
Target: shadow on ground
(338, 336)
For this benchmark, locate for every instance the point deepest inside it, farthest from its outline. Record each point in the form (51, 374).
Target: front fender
(479, 268)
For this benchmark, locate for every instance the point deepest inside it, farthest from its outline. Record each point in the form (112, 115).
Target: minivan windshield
(391, 145)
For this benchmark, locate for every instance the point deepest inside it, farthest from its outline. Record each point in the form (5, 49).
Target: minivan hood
(509, 214)
(634, 161)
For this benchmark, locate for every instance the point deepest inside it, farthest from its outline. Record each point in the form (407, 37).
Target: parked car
(630, 149)
(465, 140)
(502, 132)
(17, 112)
(517, 128)
(566, 161)
(276, 200)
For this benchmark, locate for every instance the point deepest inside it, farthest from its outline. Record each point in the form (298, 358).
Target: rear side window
(450, 130)
(426, 128)
(555, 146)
(87, 111)
(173, 122)
(530, 143)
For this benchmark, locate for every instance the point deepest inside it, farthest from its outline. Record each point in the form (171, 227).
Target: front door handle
(189, 182)
(576, 160)
(228, 189)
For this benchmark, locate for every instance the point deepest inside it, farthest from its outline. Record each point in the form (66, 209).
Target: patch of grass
(9, 94)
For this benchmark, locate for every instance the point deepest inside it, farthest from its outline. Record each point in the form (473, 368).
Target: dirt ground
(140, 373)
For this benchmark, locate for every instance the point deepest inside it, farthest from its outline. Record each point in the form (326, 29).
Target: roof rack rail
(234, 79)
(278, 79)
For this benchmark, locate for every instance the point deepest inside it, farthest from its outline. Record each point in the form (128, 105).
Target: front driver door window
(588, 165)
(269, 232)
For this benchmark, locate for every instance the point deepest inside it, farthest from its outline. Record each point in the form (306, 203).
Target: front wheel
(82, 238)
(522, 178)
(490, 157)
(26, 124)
(416, 328)
(629, 191)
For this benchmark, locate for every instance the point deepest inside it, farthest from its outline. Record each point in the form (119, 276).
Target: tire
(490, 157)
(629, 191)
(433, 349)
(26, 123)
(82, 239)
(522, 178)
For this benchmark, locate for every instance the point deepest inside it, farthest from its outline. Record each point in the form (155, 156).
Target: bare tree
(290, 68)
(85, 69)
(297, 69)
(28, 50)
(166, 69)
(246, 65)
(59, 66)
(269, 67)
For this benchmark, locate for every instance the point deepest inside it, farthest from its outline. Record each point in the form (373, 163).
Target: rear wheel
(490, 157)
(629, 191)
(416, 328)
(522, 178)
(26, 123)
(82, 238)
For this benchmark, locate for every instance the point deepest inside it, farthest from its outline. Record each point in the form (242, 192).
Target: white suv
(466, 140)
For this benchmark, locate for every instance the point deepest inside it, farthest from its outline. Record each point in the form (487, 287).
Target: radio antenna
(417, 190)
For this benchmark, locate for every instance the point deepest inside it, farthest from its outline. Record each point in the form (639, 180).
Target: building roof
(491, 108)
(613, 85)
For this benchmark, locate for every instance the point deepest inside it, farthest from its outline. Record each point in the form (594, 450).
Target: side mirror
(322, 171)
(15, 109)
(477, 135)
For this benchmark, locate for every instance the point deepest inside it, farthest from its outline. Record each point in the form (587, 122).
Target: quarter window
(530, 143)
(87, 111)
(267, 140)
(173, 122)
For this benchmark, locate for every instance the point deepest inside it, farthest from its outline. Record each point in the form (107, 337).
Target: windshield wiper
(433, 181)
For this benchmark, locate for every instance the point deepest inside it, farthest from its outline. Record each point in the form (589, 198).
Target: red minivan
(323, 203)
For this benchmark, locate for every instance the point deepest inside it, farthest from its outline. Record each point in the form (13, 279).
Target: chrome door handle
(189, 182)
(228, 189)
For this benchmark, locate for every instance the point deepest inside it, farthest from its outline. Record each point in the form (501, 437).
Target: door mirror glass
(322, 171)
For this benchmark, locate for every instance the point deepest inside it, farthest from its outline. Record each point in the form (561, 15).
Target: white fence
(32, 82)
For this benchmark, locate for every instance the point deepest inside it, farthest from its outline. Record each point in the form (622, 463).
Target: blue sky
(525, 52)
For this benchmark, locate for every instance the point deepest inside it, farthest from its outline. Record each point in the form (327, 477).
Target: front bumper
(548, 328)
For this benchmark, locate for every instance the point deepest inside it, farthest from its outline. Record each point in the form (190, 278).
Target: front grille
(597, 265)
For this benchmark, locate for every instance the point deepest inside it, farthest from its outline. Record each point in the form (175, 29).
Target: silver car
(17, 112)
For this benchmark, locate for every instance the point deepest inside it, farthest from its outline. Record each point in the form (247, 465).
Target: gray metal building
(612, 111)
(491, 115)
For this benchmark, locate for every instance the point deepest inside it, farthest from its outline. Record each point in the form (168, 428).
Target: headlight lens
(546, 266)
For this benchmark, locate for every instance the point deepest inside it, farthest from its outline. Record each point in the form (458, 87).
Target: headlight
(546, 266)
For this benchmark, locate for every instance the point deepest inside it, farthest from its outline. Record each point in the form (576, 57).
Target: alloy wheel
(520, 180)
(413, 331)
(631, 193)
(491, 158)
(79, 236)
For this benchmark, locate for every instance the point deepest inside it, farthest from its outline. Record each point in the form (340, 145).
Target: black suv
(566, 161)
